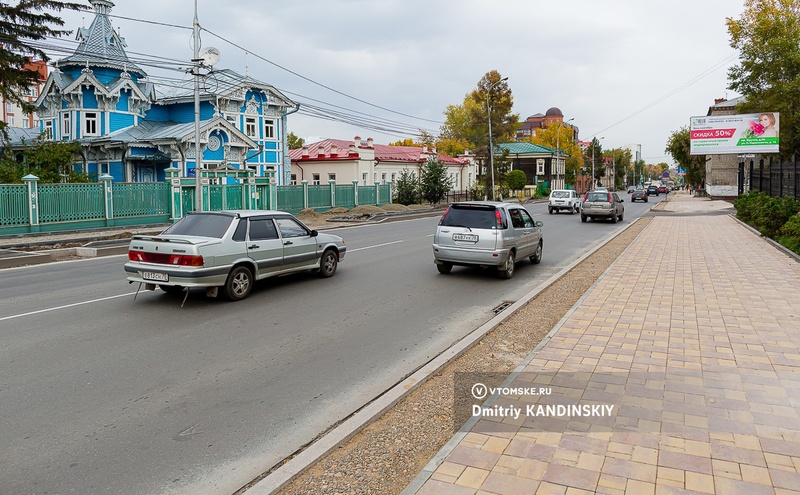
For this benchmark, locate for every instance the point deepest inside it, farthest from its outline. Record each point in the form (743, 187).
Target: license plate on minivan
(465, 237)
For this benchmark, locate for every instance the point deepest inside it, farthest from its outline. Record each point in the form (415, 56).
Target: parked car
(652, 190)
(486, 234)
(631, 189)
(602, 205)
(230, 250)
(639, 195)
(564, 199)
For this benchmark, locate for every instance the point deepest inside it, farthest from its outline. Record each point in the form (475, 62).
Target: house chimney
(305, 151)
(717, 101)
(320, 151)
(424, 148)
(369, 142)
(334, 150)
(357, 141)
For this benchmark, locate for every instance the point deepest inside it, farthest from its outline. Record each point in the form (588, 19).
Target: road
(101, 393)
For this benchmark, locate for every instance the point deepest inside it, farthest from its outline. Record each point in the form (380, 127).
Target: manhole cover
(502, 307)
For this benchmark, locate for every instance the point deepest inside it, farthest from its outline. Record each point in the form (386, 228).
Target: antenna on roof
(246, 67)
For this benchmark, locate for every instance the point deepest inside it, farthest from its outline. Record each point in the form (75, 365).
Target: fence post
(33, 198)
(304, 182)
(355, 192)
(761, 175)
(377, 193)
(389, 191)
(332, 184)
(109, 197)
(172, 176)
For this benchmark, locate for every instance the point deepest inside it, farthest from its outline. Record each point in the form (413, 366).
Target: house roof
(321, 150)
(224, 83)
(152, 132)
(525, 149)
(16, 135)
(100, 45)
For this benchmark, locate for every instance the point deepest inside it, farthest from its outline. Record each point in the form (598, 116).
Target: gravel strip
(386, 455)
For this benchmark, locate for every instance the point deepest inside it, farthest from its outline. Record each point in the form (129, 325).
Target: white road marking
(64, 306)
(376, 245)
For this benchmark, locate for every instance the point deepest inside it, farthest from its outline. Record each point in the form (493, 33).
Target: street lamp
(489, 112)
(593, 147)
(558, 143)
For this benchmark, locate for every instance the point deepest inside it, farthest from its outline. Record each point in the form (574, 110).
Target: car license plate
(155, 276)
(465, 237)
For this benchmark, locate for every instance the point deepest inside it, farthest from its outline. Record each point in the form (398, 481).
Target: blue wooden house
(133, 129)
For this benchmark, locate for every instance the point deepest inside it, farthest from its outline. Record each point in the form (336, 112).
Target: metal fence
(774, 176)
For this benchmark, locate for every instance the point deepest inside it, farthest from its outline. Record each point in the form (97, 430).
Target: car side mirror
(621, 200)
(314, 233)
(539, 223)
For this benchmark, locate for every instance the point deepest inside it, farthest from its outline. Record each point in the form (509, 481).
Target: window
(332, 177)
(65, 130)
(250, 127)
(104, 168)
(48, 129)
(394, 177)
(240, 234)
(269, 129)
(90, 124)
(293, 179)
(540, 166)
(290, 228)
(383, 177)
(364, 178)
(315, 179)
(262, 229)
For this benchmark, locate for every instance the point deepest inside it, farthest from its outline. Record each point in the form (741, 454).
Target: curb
(775, 244)
(296, 465)
(42, 257)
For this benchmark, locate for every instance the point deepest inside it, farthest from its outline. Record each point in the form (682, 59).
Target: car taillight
(499, 218)
(610, 199)
(446, 211)
(165, 259)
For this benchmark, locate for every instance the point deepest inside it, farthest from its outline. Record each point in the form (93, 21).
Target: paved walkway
(693, 337)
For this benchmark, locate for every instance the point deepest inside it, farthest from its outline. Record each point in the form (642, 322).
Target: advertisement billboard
(734, 134)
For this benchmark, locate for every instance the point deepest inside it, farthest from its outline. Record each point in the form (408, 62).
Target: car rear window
(560, 194)
(599, 197)
(474, 217)
(201, 225)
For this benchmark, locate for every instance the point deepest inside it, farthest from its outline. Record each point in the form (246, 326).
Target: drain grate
(502, 307)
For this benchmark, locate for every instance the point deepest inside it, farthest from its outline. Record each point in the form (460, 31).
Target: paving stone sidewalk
(693, 336)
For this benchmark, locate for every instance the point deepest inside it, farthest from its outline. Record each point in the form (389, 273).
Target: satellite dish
(209, 56)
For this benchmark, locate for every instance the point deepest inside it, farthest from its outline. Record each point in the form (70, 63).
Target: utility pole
(198, 159)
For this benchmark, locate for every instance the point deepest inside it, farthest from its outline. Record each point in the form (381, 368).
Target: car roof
(483, 203)
(241, 213)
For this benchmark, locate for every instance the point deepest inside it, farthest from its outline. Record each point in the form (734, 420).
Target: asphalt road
(101, 393)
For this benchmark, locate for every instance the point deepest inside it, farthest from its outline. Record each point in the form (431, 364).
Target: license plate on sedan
(155, 276)
(465, 237)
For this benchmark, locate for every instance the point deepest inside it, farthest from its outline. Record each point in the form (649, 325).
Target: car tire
(328, 263)
(645, 200)
(620, 217)
(550, 211)
(507, 270)
(577, 209)
(583, 218)
(444, 268)
(614, 218)
(171, 289)
(537, 256)
(239, 283)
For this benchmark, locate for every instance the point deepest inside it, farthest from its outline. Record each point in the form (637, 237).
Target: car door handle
(254, 246)
(287, 243)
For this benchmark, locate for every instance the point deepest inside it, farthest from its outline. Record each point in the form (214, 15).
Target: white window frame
(91, 122)
(48, 129)
(65, 126)
(251, 127)
(269, 129)
(332, 177)
(540, 166)
(293, 179)
(315, 179)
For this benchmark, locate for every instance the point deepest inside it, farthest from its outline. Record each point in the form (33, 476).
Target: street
(104, 393)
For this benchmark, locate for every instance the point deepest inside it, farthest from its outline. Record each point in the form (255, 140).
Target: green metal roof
(525, 149)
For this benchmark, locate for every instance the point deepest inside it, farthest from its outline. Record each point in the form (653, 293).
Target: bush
(771, 215)
(790, 234)
(747, 204)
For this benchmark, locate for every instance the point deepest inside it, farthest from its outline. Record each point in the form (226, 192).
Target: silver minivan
(486, 234)
(602, 204)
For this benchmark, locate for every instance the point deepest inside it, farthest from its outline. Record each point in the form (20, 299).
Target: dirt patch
(366, 209)
(395, 207)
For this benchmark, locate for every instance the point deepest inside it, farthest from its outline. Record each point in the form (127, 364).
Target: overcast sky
(630, 71)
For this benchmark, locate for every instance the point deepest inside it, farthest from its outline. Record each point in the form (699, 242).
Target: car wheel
(620, 216)
(507, 271)
(328, 263)
(577, 209)
(239, 284)
(171, 289)
(614, 217)
(550, 211)
(444, 268)
(583, 218)
(645, 200)
(537, 256)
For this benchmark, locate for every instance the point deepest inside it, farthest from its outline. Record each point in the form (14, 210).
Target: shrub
(771, 215)
(790, 234)
(747, 204)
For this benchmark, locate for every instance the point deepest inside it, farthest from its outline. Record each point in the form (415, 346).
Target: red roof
(322, 150)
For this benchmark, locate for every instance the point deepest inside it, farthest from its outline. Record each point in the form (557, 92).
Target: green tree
(767, 37)
(516, 180)
(621, 159)
(51, 161)
(406, 188)
(295, 142)
(404, 142)
(22, 24)
(678, 148)
(435, 181)
(594, 150)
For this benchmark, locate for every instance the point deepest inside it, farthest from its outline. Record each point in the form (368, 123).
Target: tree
(435, 181)
(678, 148)
(516, 180)
(594, 150)
(21, 25)
(621, 158)
(767, 37)
(51, 161)
(560, 136)
(404, 142)
(406, 189)
(295, 142)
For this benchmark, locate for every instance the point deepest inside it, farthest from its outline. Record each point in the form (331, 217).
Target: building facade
(12, 113)
(133, 129)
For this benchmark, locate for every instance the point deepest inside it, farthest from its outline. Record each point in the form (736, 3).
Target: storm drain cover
(502, 307)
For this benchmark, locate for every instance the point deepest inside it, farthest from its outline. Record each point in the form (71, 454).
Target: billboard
(734, 134)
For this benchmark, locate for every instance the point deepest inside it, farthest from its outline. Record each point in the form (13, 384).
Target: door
(264, 246)
(299, 247)
(523, 231)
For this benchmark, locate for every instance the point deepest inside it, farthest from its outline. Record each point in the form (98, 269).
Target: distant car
(638, 195)
(652, 190)
(230, 250)
(564, 200)
(662, 189)
(631, 189)
(600, 204)
(486, 233)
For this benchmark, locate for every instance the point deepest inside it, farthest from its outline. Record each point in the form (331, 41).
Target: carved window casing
(90, 123)
(269, 129)
(250, 127)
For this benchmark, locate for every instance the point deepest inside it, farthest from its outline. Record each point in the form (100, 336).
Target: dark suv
(486, 233)
(652, 190)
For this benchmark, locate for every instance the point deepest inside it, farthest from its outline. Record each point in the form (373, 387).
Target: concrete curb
(335, 437)
(40, 257)
(774, 243)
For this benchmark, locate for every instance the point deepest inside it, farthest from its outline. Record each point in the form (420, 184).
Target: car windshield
(597, 196)
(560, 194)
(201, 225)
(473, 217)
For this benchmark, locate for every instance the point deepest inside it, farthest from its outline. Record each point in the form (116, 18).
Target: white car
(564, 199)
